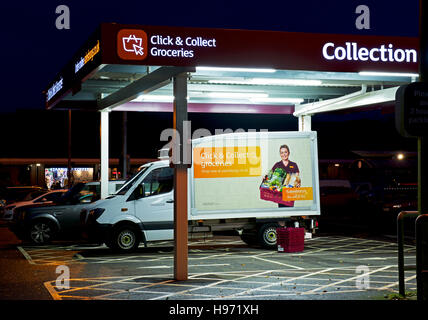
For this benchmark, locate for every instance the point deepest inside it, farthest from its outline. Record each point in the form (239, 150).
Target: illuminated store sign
(178, 41)
(88, 57)
(57, 86)
(352, 52)
(132, 44)
(123, 44)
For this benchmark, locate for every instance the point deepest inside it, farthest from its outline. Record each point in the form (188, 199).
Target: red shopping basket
(290, 239)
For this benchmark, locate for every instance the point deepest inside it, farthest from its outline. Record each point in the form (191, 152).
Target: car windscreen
(71, 192)
(131, 181)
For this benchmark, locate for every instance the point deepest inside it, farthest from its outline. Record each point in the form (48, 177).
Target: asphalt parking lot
(330, 268)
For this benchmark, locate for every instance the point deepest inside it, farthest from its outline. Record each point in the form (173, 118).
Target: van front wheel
(125, 239)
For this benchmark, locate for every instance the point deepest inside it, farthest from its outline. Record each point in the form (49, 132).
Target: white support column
(305, 123)
(104, 153)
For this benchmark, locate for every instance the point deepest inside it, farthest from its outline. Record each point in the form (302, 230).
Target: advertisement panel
(267, 173)
(57, 178)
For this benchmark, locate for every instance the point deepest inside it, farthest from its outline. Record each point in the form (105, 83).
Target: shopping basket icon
(133, 44)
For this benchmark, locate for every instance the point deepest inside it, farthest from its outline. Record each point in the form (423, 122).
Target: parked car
(41, 200)
(337, 194)
(113, 186)
(11, 195)
(22, 193)
(61, 219)
(395, 200)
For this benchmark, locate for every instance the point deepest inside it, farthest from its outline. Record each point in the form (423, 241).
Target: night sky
(34, 50)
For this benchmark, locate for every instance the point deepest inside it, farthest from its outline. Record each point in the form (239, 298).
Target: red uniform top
(290, 168)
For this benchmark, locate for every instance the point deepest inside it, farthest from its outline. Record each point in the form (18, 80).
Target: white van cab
(140, 211)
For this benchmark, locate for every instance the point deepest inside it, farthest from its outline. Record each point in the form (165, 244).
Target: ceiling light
(262, 70)
(277, 100)
(236, 95)
(388, 74)
(400, 156)
(154, 98)
(270, 81)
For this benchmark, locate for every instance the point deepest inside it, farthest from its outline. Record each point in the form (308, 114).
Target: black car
(41, 225)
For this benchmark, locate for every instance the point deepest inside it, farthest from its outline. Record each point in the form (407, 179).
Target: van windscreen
(128, 184)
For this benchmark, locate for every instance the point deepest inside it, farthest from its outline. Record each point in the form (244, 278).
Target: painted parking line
(26, 255)
(276, 262)
(241, 277)
(255, 284)
(190, 265)
(281, 283)
(50, 256)
(346, 280)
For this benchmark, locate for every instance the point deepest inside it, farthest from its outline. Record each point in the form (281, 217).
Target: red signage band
(167, 46)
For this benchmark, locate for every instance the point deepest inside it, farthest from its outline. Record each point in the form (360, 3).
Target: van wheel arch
(125, 236)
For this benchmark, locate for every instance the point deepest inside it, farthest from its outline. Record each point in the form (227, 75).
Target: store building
(172, 69)
(45, 172)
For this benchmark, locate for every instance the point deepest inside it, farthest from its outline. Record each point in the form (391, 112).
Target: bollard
(400, 243)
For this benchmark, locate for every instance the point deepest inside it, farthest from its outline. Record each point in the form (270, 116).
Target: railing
(422, 256)
(421, 267)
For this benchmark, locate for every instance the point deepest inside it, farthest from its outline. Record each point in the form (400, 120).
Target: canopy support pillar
(305, 122)
(104, 153)
(180, 180)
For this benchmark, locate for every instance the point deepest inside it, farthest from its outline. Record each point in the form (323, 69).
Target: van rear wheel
(267, 235)
(125, 238)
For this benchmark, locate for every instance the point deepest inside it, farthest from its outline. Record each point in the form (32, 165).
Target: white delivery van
(248, 182)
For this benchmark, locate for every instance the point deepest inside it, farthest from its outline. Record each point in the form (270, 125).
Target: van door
(155, 208)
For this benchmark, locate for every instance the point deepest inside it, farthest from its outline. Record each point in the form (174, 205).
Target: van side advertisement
(270, 172)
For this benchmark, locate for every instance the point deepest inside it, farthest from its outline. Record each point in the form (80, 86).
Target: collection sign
(167, 46)
(189, 47)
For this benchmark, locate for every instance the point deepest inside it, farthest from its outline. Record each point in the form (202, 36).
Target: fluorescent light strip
(277, 100)
(236, 95)
(154, 98)
(270, 81)
(221, 95)
(388, 74)
(260, 70)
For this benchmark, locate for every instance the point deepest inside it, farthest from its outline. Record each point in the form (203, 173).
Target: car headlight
(21, 215)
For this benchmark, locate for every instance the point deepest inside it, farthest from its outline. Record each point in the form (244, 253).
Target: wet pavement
(223, 267)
